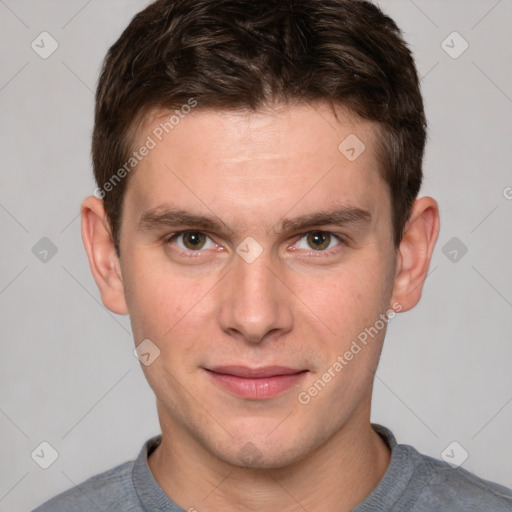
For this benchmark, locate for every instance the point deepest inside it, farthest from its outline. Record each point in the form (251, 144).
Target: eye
(318, 241)
(192, 241)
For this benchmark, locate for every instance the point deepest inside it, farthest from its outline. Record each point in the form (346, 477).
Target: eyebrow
(159, 218)
(346, 215)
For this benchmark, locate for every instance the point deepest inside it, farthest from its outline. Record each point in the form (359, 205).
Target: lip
(256, 383)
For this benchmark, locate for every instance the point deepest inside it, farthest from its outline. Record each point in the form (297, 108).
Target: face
(254, 253)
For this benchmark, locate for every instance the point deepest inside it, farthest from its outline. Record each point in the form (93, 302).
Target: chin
(262, 447)
(257, 456)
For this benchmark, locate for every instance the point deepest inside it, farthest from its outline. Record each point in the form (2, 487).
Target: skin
(296, 305)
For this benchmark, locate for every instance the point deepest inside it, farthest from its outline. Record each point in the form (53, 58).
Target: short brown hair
(232, 54)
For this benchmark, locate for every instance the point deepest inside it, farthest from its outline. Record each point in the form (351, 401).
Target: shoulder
(443, 487)
(111, 490)
(415, 482)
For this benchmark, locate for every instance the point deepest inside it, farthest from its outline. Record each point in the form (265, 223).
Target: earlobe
(102, 256)
(415, 252)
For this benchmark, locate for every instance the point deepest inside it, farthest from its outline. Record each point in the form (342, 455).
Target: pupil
(320, 240)
(194, 240)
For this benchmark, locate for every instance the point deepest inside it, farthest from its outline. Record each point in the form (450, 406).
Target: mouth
(256, 383)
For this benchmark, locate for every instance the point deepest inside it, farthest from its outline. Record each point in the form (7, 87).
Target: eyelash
(190, 253)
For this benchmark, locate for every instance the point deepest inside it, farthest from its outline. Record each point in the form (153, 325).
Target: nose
(254, 304)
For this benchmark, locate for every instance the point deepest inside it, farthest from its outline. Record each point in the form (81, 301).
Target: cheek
(170, 310)
(154, 302)
(346, 300)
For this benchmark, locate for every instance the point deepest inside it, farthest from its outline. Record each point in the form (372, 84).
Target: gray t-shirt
(412, 483)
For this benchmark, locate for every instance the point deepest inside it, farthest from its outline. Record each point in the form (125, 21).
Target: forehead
(278, 158)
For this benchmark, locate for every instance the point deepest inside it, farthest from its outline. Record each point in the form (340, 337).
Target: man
(258, 166)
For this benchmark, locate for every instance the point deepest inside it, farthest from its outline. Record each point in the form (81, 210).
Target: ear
(415, 253)
(103, 260)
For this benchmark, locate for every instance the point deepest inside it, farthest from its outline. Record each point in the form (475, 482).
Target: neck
(335, 477)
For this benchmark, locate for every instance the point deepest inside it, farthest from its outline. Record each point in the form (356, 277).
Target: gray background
(68, 374)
